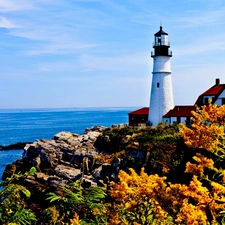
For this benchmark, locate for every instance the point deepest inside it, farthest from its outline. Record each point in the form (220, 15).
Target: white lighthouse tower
(161, 100)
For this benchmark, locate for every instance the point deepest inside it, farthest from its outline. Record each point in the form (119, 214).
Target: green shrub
(13, 199)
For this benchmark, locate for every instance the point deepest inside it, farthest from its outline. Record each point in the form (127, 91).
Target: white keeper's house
(162, 107)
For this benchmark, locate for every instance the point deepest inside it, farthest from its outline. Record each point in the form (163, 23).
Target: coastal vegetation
(170, 174)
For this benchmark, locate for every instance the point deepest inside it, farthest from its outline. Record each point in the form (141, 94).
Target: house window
(158, 85)
(188, 121)
(223, 101)
(206, 101)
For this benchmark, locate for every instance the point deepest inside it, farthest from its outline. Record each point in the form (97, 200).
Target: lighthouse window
(158, 85)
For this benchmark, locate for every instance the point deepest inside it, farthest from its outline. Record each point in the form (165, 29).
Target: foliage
(136, 199)
(13, 201)
(69, 202)
(163, 144)
(182, 181)
(17, 177)
(143, 135)
(114, 139)
(147, 199)
(109, 158)
(207, 129)
(207, 138)
(162, 132)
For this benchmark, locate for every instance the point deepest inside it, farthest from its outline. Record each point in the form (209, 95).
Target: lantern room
(161, 38)
(161, 44)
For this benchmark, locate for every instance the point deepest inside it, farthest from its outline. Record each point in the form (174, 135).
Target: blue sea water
(31, 124)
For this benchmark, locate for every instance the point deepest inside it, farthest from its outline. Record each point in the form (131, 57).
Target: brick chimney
(217, 81)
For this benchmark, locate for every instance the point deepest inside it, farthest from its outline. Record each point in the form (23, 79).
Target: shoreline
(16, 146)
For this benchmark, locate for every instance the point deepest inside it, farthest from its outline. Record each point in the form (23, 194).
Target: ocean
(27, 125)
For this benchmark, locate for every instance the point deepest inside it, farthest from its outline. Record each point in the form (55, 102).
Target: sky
(97, 53)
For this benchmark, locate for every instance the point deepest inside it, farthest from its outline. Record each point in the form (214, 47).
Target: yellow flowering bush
(149, 199)
(207, 188)
(191, 214)
(192, 192)
(200, 199)
(198, 169)
(207, 130)
(136, 198)
(75, 220)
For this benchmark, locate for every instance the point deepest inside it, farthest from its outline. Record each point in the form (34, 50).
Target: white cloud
(60, 48)
(49, 39)
(6, 23)
(114, 63)
(201, 18)
(201, 46)
(67, 31)
(88, 1)
(184, 19)
(12, 5)
(131, 65)
(145, 20)
(44, 69)
(36, 33)
(86, 40)
(113, 5)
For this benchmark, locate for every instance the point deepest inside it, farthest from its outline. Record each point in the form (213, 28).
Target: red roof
(142, 111)
(183, 110)
(214, 91)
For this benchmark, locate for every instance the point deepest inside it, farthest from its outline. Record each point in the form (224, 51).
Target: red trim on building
(141, 115)
(214, 92)
(182, 111)
(142, 111)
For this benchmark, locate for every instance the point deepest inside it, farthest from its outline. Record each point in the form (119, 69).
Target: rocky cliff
(94, 158)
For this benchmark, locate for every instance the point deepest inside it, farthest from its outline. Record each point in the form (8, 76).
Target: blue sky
(87, 53)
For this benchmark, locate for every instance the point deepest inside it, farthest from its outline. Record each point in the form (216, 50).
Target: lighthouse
(161, 99)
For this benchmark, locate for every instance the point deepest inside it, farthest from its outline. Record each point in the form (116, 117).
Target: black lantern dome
(161, 44)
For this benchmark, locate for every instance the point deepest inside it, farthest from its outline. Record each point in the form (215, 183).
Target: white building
(183, 113)
(162, 108)
(161, 99)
